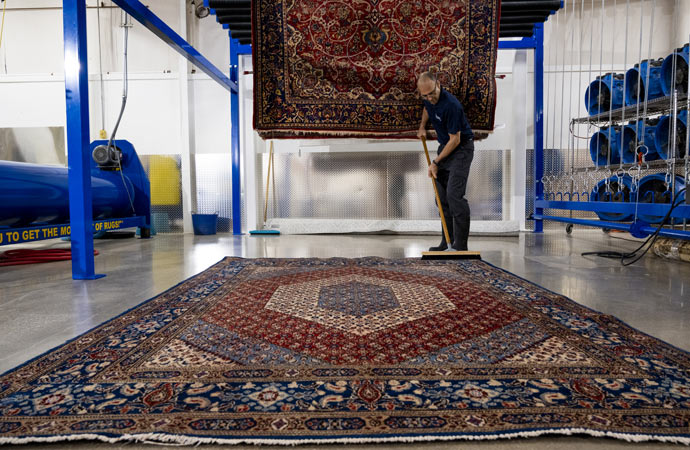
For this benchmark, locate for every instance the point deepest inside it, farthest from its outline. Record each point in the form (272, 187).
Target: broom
(265, 230)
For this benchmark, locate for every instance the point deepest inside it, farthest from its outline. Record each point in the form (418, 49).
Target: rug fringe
(167, 439)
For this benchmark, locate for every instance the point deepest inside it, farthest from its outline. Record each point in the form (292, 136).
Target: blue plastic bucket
(662, 137)
(619, 191)
(205, 223)
(653, 189)
(601, 144)
(636, 82)
(600, 91)
(680, 56)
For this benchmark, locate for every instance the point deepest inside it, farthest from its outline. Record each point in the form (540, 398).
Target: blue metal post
(538, 123)
(78, 156)
(524, 43)
(235, 139)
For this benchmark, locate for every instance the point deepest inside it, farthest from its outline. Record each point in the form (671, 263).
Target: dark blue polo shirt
(447, 117)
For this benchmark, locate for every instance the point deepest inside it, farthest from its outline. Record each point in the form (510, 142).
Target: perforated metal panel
(365, 185)
(214, 188)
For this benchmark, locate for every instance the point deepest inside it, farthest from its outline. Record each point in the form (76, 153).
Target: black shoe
(444, 245)
(441, 247)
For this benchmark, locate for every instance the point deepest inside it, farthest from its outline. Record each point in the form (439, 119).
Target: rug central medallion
(355, 314)
(357, 299)
(358, 304)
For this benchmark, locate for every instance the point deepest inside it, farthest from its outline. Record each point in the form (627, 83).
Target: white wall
(31, 75)
(683, 28)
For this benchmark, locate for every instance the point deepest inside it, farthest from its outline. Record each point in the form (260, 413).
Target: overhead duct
(522, 19)
(229, 3)
(518, 17)
(530, 5)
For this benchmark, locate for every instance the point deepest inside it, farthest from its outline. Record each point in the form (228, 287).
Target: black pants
(451, 182)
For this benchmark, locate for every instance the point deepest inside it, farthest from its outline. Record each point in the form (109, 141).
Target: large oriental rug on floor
(348, 67)
(352, 350)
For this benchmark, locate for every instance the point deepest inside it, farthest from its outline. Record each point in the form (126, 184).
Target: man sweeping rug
(351, 350)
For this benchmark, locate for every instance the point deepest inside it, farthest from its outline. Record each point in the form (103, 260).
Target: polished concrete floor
(42, 306)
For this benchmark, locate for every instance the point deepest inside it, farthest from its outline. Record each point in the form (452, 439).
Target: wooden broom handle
(438, 199)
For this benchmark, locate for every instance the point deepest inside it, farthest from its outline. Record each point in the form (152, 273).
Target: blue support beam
(235, 140)
(649, 209)
(78, 155)
(147, 18)
(538, 123)
(524, 43)
(244, 49)
(536, 42)
(236, 49)
(665, 232)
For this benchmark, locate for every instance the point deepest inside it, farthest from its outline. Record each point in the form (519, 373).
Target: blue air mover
(602, 91)
(633, 144)
(629, 152)
(653, 189)
(647, 146)
(636, 85)
(678, 60)
(664, 131)
(603, 143)
(619, 190)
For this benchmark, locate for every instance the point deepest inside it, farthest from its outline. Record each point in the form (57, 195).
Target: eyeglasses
(430, 94)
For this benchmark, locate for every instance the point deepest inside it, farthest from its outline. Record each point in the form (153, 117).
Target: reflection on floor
(42, 306)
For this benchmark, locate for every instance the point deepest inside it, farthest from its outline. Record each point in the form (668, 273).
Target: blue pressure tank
(38, 194)
(678, 60)
(636, 84)
(653, 189)
(664, 132)
(604, 142)
(603, 91)
(619, 191)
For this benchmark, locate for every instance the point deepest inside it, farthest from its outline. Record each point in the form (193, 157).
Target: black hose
(650, 240)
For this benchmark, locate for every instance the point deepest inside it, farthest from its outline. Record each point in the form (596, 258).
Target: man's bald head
(428, 87)
(427, 77)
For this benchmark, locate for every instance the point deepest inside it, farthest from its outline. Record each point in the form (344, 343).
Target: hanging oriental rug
(351, 350)
(348, 67)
